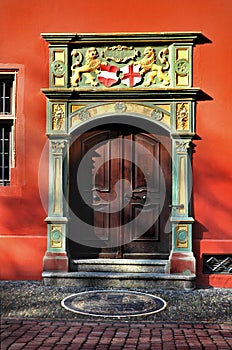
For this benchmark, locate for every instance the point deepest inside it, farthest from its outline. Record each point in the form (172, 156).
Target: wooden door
(120, 207)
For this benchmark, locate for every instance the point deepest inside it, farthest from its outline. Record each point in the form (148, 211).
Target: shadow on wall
(212, 204)
(212, 212)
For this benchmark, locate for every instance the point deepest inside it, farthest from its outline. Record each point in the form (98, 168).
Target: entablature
(108, 62)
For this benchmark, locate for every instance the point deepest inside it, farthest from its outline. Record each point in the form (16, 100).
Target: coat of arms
(151, 69)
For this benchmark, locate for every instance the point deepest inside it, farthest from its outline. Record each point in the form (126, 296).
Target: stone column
(56, 258)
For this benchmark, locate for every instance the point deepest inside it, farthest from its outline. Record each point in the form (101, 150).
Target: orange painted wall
(21, 45)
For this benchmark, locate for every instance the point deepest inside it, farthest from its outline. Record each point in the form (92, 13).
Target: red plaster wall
(21, 45)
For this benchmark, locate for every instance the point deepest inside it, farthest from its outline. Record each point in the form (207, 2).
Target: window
(7, 125)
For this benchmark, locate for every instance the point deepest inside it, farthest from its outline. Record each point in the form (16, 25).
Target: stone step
(144, 281)
(120, 265)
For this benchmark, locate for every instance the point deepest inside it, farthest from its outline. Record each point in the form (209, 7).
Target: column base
(182, 263)
(55, 262)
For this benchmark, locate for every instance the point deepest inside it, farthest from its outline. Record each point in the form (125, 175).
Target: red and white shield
(108, 75)
(131, 75)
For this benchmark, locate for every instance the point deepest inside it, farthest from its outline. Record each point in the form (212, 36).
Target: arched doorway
(123, 86)
(119, 193)
(136, 173)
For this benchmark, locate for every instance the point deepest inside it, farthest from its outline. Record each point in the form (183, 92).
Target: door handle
(143, 198)
(136, 197)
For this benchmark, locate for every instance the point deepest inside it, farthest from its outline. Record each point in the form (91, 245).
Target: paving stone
(59, 335)
(17, 346)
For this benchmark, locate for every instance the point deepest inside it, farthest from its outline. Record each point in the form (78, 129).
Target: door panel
(148, 195)
(124, 179)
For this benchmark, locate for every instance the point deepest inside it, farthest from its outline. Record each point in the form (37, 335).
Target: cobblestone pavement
(32, 318)
(32, 299)
(73, 335)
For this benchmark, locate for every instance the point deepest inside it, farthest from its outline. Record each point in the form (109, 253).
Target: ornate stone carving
(84, 115)
(150, 69)
(58, 117)
(58, 146)
(56, 236)
(182, 67)
(157, 114)
(120, 107)
(182, 116)
(119, 53)
(92, 64)
(182, 236)
(182, 146)
(58, 68)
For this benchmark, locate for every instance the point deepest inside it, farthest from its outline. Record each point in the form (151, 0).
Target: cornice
(130, 94)
(103, 38)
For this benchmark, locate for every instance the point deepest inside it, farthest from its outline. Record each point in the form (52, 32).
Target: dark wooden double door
(119, 194)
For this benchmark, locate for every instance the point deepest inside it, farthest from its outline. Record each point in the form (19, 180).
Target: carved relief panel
(56, 117)
(86, 62)
(120, 66)
(58, 66)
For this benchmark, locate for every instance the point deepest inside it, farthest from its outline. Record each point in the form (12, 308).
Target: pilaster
(56, 256)
(181, 258)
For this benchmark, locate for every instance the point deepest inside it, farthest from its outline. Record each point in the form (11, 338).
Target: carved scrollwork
(58, 118)
(182, 116)
(120, 53)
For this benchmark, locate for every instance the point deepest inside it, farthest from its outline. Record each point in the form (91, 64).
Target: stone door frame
(74, 109)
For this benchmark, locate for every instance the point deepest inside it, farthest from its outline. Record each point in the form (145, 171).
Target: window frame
(9, 119)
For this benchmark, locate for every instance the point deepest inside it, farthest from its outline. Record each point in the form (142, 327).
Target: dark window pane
(4, 155)
(6, 87)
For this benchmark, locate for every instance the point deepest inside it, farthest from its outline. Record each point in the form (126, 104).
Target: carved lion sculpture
(150, 69)
(92, 64)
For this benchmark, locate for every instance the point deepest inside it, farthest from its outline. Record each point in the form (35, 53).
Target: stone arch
(141, 115)
(120, 111)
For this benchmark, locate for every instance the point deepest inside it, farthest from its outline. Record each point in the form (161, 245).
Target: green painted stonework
(169, 100)
(172, 58)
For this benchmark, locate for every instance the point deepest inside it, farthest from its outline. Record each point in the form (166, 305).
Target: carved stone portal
(146, 76)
